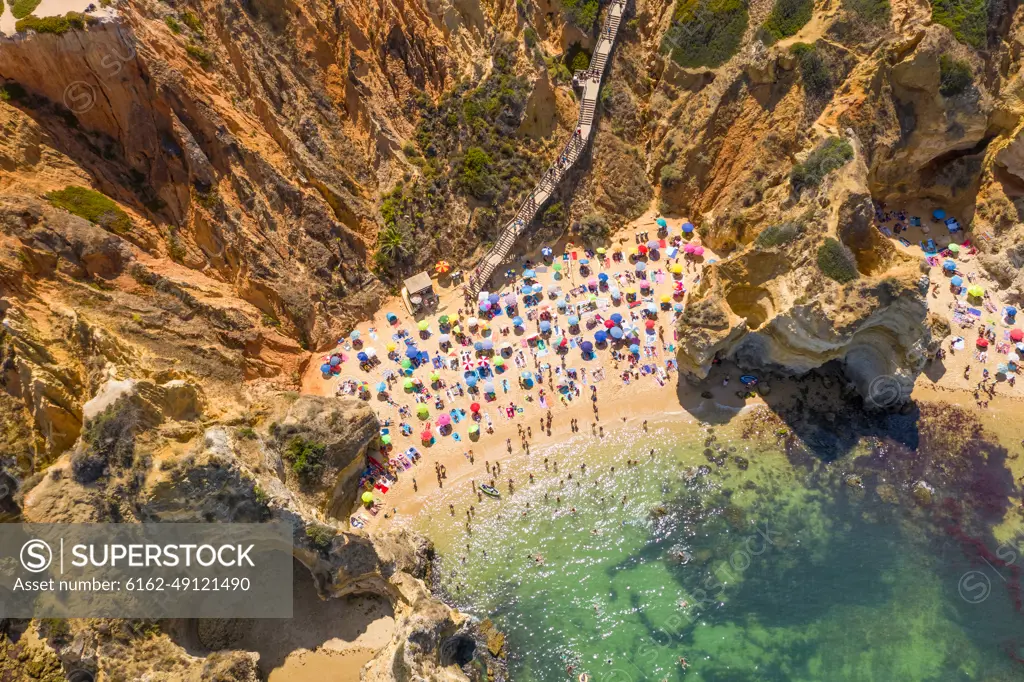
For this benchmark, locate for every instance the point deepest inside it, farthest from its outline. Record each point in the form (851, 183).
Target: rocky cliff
(195, 196)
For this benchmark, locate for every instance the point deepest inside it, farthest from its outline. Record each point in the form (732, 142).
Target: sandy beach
(646, 395)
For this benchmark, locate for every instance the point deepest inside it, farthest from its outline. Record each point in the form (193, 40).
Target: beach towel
(456, 436)
(885, 230)
(357, 521)
(975, 312)
(904, 242)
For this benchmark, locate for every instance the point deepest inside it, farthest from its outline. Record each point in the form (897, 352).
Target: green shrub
(189, 18)
(529, 37)
(787, 17)
(22, 8)
(553, 215)
(815, 74)
(705, 32)
(392, 246)
(870, 11)
(837, 262)
(55, 25)
(594, 227)
(306, 458)
(246, 433)
(580, 62)
(777, 235)
(671, 176)
(475, 173)
(320, 536)
(173, 24)
(955, 76)
(582, 13)
(828, 156)
(200, 54)
(93, 206)
(967, 19)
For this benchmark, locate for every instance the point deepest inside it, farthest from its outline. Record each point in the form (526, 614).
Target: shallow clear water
(775, 572)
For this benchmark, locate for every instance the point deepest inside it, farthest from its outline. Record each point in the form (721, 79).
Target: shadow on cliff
(365, 622)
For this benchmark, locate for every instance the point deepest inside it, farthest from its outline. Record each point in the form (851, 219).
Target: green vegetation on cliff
(705, 32)
(465, 145)
(826, 157)
(22, 8)
(787, 17)
(967, 19)
(55, 25)
(870, 11)
(814, 72)
(93, 206)
(306, 458)
(955, 76)
(581, 13)
(836, 261)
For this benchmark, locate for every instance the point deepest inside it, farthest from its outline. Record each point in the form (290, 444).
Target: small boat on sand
(488, 490)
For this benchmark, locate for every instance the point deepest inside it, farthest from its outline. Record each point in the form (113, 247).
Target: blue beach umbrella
(494, 298)
(354, 335)
(957, 280)
(661, 222)
(335, 360)
(546, 251)
(616, 332)
(517, 321)
(545, 326)
(472, 380)
(938, 214)
(600, 336)
(634, 349)
(363, 357)
(652, 308)
(587, 347)
(616, 318)
(381, 387)
(479, 345)
(640, 266)
(488, 344)
(603, 277)
(412, 352)
(653, 245)
(687, 228)
(573, 320)
(529, 274)
(949, 264)
(562, 304)
(325, 368)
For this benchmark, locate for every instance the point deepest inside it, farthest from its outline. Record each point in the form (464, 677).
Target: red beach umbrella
(1016, 335)
(982, 342)
(608, 324)
(475, 407)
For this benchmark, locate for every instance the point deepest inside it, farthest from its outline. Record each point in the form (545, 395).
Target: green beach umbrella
(592, 297)
(473, 428)
(601, 250)
(386, 439)
(954, 248)
(407, 384)
(557, 267)
(421, 410)
(406, 363)
(423, 324)
(499, 361)
(434, 376)
(443, 319)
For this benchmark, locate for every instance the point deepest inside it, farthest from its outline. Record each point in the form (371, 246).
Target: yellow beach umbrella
(975, 290)
(390, 346)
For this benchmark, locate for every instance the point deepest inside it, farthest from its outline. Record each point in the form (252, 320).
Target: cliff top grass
(871, 11)
(55, 25)
(93, 206)
(22, 8)
(786, 18)
(705, 32)
(967, 19)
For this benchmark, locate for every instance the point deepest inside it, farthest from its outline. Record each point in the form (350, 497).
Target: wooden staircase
(567, 157)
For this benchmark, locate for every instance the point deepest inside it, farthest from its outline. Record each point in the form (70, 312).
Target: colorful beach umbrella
(661, 222)
(957, 280)
(949, 264)
(954, 248)
(687, 228)
(1016, 335)
(975, 290)
(422, 325)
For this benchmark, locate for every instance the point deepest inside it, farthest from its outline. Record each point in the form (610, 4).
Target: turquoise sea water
(750, 563)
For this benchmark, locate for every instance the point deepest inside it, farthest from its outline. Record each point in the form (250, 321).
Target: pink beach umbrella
(444, 420)
(698, 251)
(688, 248)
